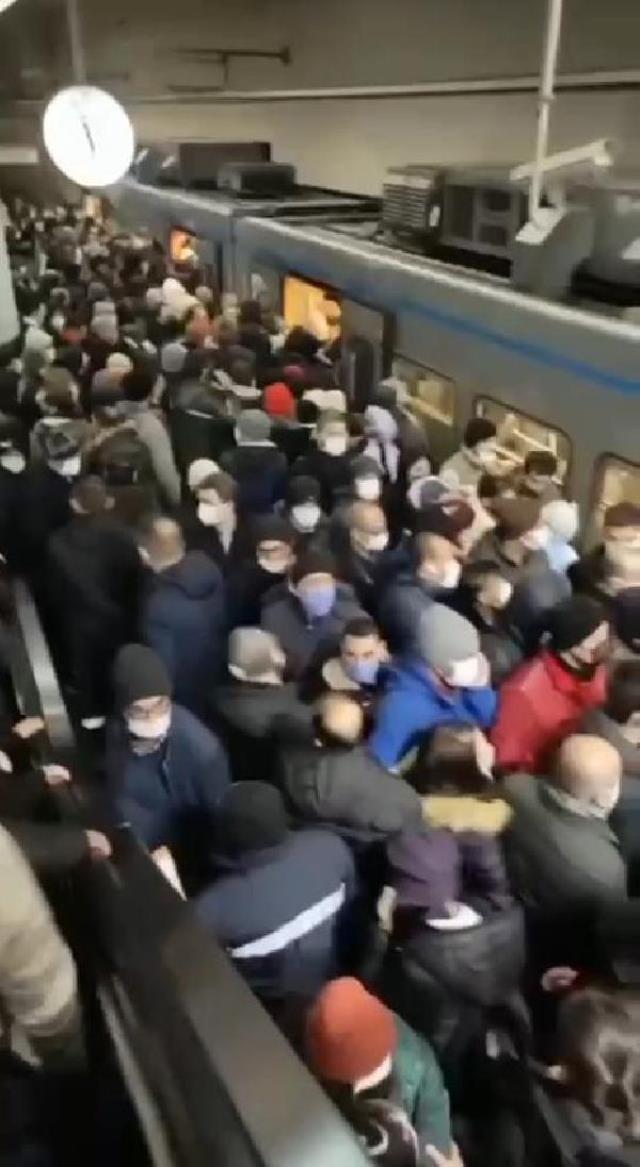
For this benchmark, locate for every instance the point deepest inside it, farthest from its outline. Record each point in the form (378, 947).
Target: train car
(552, 376)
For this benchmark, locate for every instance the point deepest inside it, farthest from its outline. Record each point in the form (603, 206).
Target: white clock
(5, 4)
(88, 135)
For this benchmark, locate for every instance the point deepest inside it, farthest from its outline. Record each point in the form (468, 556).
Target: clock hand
(89, 135)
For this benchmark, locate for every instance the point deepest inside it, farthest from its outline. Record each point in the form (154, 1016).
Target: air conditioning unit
(257, 179)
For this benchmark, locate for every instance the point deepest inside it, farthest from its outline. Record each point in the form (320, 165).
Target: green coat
(422, 1091)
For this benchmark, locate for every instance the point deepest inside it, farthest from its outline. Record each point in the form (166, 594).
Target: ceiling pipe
(545, 101)
(76, 47)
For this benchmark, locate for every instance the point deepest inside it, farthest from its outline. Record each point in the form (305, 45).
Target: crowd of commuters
(385, 717)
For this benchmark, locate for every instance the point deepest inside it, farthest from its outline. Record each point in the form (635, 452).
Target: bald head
(163, 542)
(368, 527)
(341, 719)
(590, 769)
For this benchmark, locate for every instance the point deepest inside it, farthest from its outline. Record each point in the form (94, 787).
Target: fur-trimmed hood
(464, 813)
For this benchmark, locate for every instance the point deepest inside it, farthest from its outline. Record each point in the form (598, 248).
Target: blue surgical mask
(317, 601)
(363, 672)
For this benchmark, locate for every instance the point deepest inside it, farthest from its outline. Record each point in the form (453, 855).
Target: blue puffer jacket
(184, 621)
(415, 703)
(286, 914)
(170, 795)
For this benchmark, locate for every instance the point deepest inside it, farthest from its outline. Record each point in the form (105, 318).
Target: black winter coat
(252, 718)
(303, 641)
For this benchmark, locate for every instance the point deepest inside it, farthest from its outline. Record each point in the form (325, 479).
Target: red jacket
(540, 704)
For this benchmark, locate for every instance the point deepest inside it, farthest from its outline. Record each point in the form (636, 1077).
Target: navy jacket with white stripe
(286, 915)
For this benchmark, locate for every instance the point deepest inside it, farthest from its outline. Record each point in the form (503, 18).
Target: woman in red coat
(546, 698)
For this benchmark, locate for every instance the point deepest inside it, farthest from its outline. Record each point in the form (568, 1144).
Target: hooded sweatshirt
(416, 702)
(184, 621)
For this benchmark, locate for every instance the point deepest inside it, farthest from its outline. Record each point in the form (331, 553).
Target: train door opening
(367, 343)
(190, 252)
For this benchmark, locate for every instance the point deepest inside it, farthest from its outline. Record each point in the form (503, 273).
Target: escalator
(207, 1077)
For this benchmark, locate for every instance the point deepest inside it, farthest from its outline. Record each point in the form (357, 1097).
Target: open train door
(366, 345)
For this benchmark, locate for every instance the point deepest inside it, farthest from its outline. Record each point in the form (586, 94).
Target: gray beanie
(106, 328)
(252, 653)
(173, 357)
(443, 637)
(37, 340)
(104, 308)
(253, 425)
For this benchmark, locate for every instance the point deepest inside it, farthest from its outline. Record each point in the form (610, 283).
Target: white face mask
(149, 729)
(463, 673)
(378, 542)
(334, 445)
(368, 488)
(306, 516)
(57, 322)
(503, 593)
(485, 454)
(451, 575)
(273, 566)
(69, 468)
(14, 462)
(537, 539)
(211, 514)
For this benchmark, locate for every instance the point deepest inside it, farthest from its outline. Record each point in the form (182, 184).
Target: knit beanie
(200, 471)
(97, 291)
(278, 400)
(444, 637)
(251, 817)
(573, 621)
(479, 429)
(253, 426)
(516, 516)
(104, 308)
(349, 1033)
(106, 329)
(365, 467)
(303, 489)
(425, 870)
(272, 529)
(251, 652)
(173, 357)
(138, 673)
(313, 563)
(448, 518)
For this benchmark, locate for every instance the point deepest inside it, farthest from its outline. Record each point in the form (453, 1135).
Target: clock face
(5, 4)
(88, 135)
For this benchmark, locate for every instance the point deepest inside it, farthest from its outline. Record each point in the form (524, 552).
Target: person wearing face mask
(368, 561)
(546, 697)
(563, 858)
(47, 490)
(563, 521)
(12, 490)
(255, 707)
(208, 519)
(518, 541)
(183, 611)
(366, 486)
(476, 455)
(166, 772)
(538, 477)
(359, 670)
(443, 678)
(303, 510)
(332, 779)
(329, 461)
(271, 542)
(485, 598)
(256, 464)
(435, 576)
(309, 614)
(620, 530)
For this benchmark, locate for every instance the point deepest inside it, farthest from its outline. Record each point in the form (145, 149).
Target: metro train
(560, 378)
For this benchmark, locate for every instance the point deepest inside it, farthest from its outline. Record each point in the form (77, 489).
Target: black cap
(138, 673)
(273, 529)
(573, 621)
(313, 563)
(303, 489)
(251, 817)
(365, 467)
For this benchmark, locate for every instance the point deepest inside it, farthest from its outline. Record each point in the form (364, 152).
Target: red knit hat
(349, 1033)
(278, 400)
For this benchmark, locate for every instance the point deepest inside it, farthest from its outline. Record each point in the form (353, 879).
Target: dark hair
(224, 485)
(250, 312)
(381, 1125)
(91, 494)
(302, 342)
(308, 412)
(475, 574)
(479, 429)
(447, 762)
(599, 1040)
(489, 486)
(540, 462)
(360, 626)
(137, 385)
(242, 371)
(623, 697)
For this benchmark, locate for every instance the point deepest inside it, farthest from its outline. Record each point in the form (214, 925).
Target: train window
(616, 481)
(431, 396)
(183, 247)
(519, 435)
(311, 306)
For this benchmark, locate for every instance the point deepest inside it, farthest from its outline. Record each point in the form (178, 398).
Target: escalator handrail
(234, 1074)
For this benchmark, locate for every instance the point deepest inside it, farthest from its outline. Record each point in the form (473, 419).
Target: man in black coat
(255, 708)
(93, 590)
